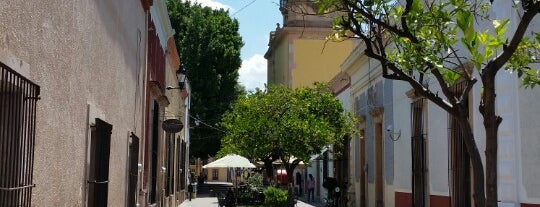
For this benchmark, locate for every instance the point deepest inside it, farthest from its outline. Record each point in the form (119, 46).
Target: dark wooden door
(379, 202)
(98, 178)
(133, 160)
(363, 183)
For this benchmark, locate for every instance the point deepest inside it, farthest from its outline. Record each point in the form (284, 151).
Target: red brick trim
(439, 201)
(529, 205)
(403, 199)
(146, 4)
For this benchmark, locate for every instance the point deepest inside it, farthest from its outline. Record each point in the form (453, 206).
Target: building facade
(76, 77)
(299, 54)
(409, 151)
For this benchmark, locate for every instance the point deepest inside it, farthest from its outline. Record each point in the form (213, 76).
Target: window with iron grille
(460, 180)
(18, 97)
(169, 187)
(183, 166)
(154, 154)
(418, 145)
(215, 173)
(178, 165)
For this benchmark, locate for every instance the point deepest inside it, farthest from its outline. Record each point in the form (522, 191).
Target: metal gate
(460, 179)
(18, 97)
(418, 145)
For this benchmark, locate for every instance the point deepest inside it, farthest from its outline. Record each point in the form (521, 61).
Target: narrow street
(207, 201)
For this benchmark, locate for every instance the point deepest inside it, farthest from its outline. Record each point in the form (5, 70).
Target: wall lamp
(181, 75)
(393, 135)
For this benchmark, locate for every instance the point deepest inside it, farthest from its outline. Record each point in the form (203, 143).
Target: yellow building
(299, 54)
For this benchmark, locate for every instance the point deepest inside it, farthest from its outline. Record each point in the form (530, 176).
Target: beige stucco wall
(316, 60)
(300, 56)
(279, 63)
(81, 53)
(222, 174)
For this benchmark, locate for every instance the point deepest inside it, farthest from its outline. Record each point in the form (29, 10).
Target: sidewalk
(205, 201)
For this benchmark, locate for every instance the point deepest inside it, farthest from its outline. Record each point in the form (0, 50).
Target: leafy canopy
(441, 43)
(209, 46)
(285, 122)
(437, 38)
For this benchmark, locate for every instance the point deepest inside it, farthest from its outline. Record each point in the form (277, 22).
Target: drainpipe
(142, 147)
(85, 177)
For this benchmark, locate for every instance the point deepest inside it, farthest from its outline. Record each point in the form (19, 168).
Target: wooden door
(363, 183)
(133, 159)
(98, 179)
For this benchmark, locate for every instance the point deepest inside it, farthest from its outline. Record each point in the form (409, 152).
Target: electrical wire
(173, 115)
(250, 3)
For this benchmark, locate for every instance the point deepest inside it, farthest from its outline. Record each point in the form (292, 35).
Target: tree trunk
(476, 161)
(269, 169)
(290, 178)
(491, 125)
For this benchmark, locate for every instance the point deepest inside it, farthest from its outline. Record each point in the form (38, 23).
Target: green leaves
(297, 122)
(526, 53)
(500, 28)
(209, 46)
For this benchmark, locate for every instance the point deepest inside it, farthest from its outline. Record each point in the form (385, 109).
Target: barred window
(419, 153)
(18, 97)
(215, 173)
(460, 172)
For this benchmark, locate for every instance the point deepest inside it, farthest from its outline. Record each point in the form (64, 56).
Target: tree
(285, 123)
(209, 47)
(420, 40)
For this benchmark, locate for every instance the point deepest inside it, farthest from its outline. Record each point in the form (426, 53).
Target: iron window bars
(18, 98)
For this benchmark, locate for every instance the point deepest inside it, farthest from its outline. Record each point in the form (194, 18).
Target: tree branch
(372, 18)
(442, 83)
(404, 25)
(468, 88)
(418, 87)
(496, 64)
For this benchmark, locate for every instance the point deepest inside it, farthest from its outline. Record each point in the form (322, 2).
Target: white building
(393, 121)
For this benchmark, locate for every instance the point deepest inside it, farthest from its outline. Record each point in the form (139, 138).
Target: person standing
(311, 188)
(190, 191)
(299, 183)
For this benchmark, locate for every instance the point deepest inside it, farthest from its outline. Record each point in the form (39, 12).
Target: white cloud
(214, 4)
(253, 72)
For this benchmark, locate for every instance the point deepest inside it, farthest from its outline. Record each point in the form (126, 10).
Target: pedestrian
(299, 183)
(311, 188)
(190, 191)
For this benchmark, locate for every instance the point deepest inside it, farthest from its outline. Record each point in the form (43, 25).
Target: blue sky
(257, 19)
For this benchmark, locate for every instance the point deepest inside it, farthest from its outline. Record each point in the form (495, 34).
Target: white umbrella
(230, 160)
(291, 160)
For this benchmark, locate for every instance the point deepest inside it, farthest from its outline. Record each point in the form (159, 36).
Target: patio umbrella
(301, 164)
(230, 161)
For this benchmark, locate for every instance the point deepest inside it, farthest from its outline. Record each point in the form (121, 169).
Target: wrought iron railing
(18, 97)
(418, 145)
